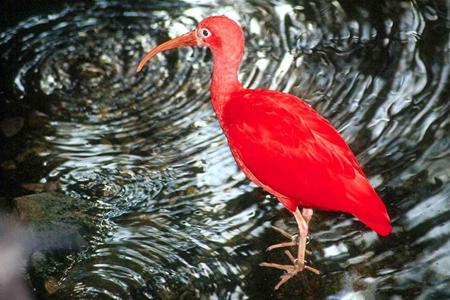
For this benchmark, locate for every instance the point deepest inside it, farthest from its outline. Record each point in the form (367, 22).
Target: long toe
(292, 237)
(283, 279)
(287, 268)
(285, 233)
(281, 245)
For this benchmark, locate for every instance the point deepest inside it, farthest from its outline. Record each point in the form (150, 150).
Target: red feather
(288, 149)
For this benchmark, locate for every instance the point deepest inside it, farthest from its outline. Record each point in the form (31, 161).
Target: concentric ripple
(178, 219)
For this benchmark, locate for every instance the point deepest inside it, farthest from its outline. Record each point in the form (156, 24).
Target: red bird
(281, 143)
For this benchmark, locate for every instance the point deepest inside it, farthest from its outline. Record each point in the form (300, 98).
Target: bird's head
(219, 33)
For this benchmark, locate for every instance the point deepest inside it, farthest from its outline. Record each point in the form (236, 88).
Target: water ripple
(178, 219)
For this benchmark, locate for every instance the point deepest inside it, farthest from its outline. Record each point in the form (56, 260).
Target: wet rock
(39, 149)
(37, 119)
(42, 266)
(11, 126)
(56, 224)
(49, 186)
(8, 165)
(52, 285)
(52, 210)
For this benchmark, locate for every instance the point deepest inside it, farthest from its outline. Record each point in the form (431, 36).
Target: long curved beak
(188, 39)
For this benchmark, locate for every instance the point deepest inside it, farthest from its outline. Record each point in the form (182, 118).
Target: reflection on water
(178, 219)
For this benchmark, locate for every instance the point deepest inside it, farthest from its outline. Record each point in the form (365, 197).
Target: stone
(52, 210)
(11, 126)
(55, 224)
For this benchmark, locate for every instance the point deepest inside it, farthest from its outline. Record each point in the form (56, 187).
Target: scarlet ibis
(281, 143)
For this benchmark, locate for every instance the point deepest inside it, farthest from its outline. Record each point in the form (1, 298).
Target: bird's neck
(224, 78)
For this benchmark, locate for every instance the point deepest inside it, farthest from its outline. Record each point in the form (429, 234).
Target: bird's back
(286, 147)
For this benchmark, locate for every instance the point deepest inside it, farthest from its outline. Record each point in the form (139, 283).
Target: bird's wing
(290, 148)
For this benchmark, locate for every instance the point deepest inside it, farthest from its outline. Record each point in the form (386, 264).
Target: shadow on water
(170, 215)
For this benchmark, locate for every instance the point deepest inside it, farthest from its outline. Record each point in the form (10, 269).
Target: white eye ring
(204, 33)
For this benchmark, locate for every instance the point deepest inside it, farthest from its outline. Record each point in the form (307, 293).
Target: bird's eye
(204, 33)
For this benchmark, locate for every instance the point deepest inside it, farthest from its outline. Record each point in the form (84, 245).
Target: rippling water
(174, 217)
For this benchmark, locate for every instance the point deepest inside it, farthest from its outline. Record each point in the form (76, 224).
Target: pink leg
(298, 264)
(302, 219)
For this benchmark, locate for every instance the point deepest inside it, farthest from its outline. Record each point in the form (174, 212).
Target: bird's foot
(292, 237)
(291, 270)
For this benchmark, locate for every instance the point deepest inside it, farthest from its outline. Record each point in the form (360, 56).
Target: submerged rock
(11, 126)
(49, 186)
(55, 224)
(52, 210)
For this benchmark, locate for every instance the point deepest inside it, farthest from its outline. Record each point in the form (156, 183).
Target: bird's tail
(377, 221)
(369, 208)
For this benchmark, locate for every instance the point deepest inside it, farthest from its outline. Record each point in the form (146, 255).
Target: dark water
(174, 217)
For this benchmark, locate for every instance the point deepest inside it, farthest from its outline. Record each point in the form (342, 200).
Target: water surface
(174, 217)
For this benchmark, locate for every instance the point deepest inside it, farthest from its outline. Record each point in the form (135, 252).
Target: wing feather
(287, 146)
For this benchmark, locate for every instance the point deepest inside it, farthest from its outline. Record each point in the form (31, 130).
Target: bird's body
(281, 143)
(288, 149)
